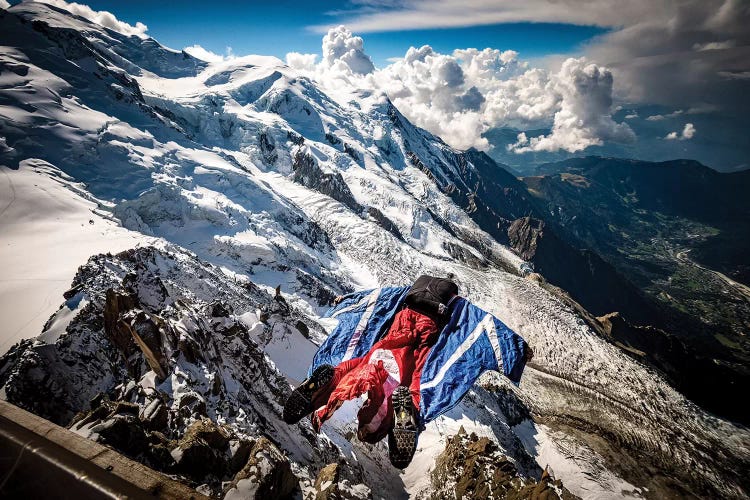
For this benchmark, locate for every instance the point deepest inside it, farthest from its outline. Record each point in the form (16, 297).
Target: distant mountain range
(717, 142)
(680, 232)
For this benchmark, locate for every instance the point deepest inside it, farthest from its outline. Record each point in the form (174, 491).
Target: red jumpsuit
(396, 359)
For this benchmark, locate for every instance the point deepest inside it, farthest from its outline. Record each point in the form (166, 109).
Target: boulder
(154, 415)
(267, 474)
(200, 452)
(191, 404)
(124, 433)
(326, 484)
(208, 431)
(473, 467)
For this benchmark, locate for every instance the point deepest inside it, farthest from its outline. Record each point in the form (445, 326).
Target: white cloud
(304, 62)
(340, 46)
(687, 133)
(678, 54)
(584, 118)
(658, 118)
(203, 54)
(460, 96)
(423, 14)
(4, 4)
(102, 18)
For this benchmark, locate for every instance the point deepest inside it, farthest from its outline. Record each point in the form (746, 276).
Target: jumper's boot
(402, 438)
(299, 404)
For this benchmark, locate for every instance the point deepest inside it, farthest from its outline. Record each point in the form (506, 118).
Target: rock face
(471, 467)
(202, 450)
(308, 173)
(267, 474)
(590, 280)
(524, 235)
(326, 484)
(159, 367)
(384, 222)
(335, 482)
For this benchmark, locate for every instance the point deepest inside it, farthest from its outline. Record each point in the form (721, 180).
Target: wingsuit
(397, 359)
(423, 344)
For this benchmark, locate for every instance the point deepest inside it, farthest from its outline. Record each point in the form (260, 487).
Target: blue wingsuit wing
(364, 317)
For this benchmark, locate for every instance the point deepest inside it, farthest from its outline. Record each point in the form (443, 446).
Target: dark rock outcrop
(267, 474)
(309, 174)
(384, 222)
(590, 280)
(201, 450)
(471, 467)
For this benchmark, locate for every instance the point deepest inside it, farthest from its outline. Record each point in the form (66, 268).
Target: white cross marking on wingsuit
(361, 324)
(487, 325)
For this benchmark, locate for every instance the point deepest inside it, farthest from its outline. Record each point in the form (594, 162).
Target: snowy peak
(135, 54)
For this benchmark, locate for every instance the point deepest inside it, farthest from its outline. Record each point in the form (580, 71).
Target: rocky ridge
(156, 364)
(472, 467)
(165, 373)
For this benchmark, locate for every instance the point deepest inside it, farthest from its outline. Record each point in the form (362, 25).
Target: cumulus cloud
(462, 95)
(687, 133)
(204, 54)
(102, 18)
(341, 47)
(678, 54)
(304, 62)
(584, 118)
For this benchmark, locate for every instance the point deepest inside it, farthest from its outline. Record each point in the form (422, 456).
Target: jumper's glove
(442, 309)
(529, 354)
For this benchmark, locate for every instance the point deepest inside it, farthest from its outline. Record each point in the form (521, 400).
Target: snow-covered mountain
(244, 176)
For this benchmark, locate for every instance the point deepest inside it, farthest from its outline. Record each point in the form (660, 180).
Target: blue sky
(280, 26)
